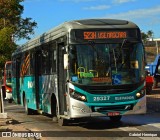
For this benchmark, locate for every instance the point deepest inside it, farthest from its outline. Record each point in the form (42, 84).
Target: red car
(149, 83)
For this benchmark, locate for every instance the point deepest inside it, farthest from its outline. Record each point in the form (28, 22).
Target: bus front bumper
(80, 109)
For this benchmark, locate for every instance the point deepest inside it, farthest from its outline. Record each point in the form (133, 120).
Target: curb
(3, 115)
(4, 121)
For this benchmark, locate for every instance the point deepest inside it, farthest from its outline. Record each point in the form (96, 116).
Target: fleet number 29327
(101, 98)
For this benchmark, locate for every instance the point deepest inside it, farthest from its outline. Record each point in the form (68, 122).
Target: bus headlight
(78, 96)
(7, 90)
(140, 94)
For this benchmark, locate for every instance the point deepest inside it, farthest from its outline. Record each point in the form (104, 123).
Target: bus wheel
(54, 109)
(27, 110)
(115, 118)
(62, 122)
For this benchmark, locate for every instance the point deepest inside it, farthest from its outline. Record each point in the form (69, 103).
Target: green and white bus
(80, 69)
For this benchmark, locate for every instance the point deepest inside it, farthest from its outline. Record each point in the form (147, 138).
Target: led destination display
(104, 35)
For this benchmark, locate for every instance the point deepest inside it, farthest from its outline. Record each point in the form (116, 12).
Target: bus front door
(61, 80)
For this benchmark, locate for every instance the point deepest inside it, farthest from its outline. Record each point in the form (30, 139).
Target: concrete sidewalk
(12, 127)
(4, 123)
(9, 124)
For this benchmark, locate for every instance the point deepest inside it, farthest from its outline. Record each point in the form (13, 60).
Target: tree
(12, 27)
(150, 34)
(6, 45)
(146, 36)
(10, 16)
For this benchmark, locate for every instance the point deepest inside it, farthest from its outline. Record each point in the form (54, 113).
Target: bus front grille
(112, 108)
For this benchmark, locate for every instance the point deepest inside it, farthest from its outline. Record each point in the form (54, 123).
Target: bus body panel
(49, 89)
(27, 90)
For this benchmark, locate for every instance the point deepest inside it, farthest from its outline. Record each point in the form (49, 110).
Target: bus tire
(115, 118)
(62, 122)
(54, 109)
(27, 110)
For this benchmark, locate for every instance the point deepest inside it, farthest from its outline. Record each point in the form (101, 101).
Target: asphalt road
(95, 128)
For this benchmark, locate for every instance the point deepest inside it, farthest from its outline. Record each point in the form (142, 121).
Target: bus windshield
(111, 64)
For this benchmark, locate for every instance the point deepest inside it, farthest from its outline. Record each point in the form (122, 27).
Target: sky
(50, 13)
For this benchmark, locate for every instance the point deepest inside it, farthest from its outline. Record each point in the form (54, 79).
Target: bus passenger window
(31, 63)
(25, 64)
(52, 57)
(45, 61)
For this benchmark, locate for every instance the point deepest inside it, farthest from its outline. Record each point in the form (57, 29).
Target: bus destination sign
(104, 34)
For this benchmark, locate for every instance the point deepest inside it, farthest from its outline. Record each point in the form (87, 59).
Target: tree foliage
(150, 34)
(146, 36)
(12, 27)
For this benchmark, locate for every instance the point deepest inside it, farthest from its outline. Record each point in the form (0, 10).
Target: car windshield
(111, 64)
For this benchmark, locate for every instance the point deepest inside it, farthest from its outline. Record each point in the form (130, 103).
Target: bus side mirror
(65, 61)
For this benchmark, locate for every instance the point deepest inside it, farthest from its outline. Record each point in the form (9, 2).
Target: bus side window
(45, 60)
(31, 63)
(25, 64)
(53, 56)
(13, 68)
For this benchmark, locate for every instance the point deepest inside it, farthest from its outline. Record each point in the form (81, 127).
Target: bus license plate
(113, 114)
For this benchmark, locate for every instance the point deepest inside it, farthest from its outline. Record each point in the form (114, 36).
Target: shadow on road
(153, 101)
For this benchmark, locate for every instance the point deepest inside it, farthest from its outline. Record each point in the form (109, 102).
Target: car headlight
(78, 96)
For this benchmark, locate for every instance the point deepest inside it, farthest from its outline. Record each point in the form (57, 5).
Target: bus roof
(65, 27)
